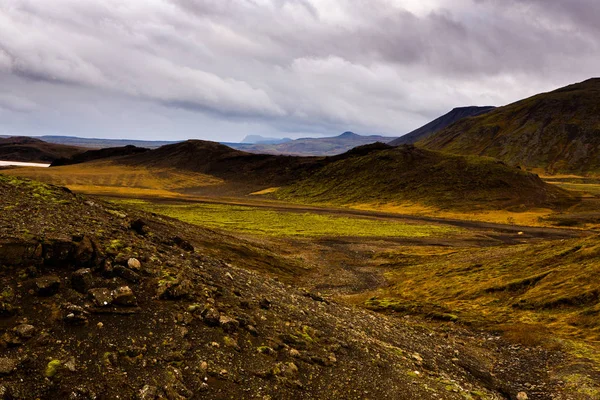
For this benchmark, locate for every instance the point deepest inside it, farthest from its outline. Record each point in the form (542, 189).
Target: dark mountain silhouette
(26, 149)
(440, 123)
(558, 131)
(92, 155)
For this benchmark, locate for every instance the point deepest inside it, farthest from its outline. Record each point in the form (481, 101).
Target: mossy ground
(279, 223)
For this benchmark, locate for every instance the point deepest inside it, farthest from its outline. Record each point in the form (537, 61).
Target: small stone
(100, 325)
(203, 366)
(102, 297)
(139, 226)
(290, 370)
(124, 296)
(134, 264)
(211, 316)
(229, 325)
(126, 274)
(522, 396)
(25, 331)
(148, 393)
(74, 315)
(294, 353)
(231, 342)
(227, 274)
(71, 365)
(265, 303)
(224, 373)
(82, 280)
(7, 365)
(47, 285)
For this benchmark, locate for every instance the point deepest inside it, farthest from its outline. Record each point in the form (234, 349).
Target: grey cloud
(290, 66)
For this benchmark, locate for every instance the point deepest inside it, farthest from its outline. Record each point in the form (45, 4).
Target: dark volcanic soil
(98, 302)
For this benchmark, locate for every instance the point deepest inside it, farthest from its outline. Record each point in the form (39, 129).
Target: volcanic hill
(384, 174)
(440, 123)
(558, 131)
(26, 149)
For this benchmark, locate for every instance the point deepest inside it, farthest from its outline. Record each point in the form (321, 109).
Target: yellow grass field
(106, 178)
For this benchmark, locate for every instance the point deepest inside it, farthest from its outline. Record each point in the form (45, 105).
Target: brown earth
(103, 302)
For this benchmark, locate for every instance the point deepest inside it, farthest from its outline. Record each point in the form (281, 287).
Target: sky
(223, 69)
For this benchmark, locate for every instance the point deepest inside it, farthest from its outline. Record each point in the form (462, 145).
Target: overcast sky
(223, 69)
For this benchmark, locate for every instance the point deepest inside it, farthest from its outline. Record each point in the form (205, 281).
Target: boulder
(82, 280)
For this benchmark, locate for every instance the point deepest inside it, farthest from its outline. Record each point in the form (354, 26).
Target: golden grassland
(260, 221)
(106, 178)
(542, 294)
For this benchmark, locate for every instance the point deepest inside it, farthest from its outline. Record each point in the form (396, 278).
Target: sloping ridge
(558, 131)
(27, 149)
(407, 173)
(440, 123)
(92, 155)
(224, 162)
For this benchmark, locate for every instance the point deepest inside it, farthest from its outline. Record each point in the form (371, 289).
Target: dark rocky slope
(99, 302)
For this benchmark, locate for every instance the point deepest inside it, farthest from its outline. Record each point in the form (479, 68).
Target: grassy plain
(285, 223)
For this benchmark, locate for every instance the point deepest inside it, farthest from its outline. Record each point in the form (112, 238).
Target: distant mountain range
(257, 139)
(440, 123)
(558, 131)
(327, 146)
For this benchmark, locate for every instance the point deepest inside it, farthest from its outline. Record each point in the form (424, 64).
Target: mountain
(440, 123)
(26, 149)
(96, 143)
(384, 174)
(257, 139)
(370, 173)
(327, 146)
(558, 131)
(246, 172)
(92, 155)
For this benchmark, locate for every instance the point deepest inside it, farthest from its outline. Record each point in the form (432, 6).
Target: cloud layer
(221, 69)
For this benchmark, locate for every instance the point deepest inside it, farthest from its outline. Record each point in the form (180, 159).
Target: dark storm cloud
(221, 69)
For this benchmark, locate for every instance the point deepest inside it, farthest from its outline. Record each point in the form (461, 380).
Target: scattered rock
(176, 289)
(139, 226)
(229, 325)
(7, 365)
(47, 285)
(5, 393)
(265, 303)
(102, 297)
(149, 393)
(82, 280)
(124, 296)
(126, 274)
(25, 331)
(85, 252)
(134, 264)
(211, 316)
(74, 315)
(183, 244)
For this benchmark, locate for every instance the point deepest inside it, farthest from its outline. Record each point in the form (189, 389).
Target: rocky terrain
(102, 302)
